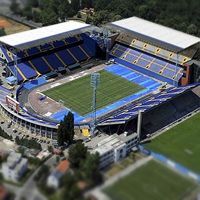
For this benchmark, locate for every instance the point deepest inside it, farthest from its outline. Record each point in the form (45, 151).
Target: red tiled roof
(63, 166)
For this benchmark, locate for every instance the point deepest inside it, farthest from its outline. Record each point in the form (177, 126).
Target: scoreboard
(12, 104)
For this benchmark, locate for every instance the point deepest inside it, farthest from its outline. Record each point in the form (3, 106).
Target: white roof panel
(158, 32)
(19, 39)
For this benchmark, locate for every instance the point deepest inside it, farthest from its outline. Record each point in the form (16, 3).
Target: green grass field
(181, 143)
(77, 94)
(152, 181)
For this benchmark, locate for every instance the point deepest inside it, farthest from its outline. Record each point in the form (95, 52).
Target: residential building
(15, 167)
(54, 178)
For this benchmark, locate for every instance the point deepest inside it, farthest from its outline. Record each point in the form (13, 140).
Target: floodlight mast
(95, 80)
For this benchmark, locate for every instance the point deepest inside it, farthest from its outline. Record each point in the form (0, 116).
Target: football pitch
(152, 181)
(181, 143)
(77, 94)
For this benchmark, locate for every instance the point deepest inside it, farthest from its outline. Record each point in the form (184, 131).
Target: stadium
(143, 66)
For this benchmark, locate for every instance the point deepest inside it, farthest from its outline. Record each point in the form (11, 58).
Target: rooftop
(157, 32)
(36, 36)
(63, 166)
(104, 143)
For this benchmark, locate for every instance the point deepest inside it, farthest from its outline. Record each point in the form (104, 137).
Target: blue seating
(87, 50)
(40, 65)
(15, 72)
(78, 53)
(33, 51)
(131, 111)
(27, 70)
(66, 57)
(71, 40)
(6, 54)
(153, 66)
(55, 62)
(58, 44)
(46, 47)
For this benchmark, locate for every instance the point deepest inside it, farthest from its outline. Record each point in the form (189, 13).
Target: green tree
(66, 130)
(2, 32)
(77, 153)
(90, 169)
(70, 191)
(14, 7)
(48, 17)
(192, 29)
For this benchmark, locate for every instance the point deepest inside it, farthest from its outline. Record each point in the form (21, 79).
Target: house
(54, 178)
(15, 167)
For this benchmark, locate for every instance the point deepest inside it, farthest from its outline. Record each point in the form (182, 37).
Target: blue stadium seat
(71, 40)
(78, 53)
(54, 61)
(6, 54)
(58, 44)
(15, 72)
(27, 70)
(87, 49)
(33, 51)
(66, 57)
(148, 64)
(41, 65)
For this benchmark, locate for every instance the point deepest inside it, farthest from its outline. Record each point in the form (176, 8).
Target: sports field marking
(77, 94)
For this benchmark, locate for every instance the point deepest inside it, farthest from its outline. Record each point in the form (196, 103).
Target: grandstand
(50, 49)
(58, 57)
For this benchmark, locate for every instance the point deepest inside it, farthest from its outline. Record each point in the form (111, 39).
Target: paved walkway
(97, 192)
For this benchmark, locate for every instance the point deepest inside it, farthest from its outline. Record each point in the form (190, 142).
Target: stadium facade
(161, 60)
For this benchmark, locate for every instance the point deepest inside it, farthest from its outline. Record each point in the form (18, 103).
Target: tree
(14, 7)
(70, 191)
(66, 130)
(192, 29)
(2, 32)
(48, 17)
(77, 153)
(90, 169)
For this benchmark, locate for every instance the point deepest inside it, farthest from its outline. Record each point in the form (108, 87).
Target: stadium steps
(72, 55)
(20, 75)
(78, 53)
(88, 57)
(34, 67)
(64, 64)
(50, 67)
(27, 70)
(66, 57)
(55, 62)
(41, 65)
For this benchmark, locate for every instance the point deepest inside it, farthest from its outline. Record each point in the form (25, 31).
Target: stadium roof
(42, 35)
(156, 32)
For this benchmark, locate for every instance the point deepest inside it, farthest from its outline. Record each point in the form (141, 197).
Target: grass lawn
(181, 143)
(77, 94)
(152, 181)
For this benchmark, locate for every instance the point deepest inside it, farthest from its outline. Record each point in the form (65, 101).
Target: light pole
(95, 80)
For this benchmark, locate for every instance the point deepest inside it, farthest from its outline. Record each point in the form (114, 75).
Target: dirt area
(11, 26)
